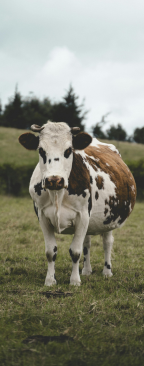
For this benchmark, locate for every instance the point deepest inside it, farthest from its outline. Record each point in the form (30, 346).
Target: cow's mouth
(54, 183)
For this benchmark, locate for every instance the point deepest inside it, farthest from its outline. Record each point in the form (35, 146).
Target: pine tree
(97, 129)
(69, 111)
(139, 135)
(13, 112)
(116, 133)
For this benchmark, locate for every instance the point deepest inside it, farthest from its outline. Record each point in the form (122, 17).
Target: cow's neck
(57, 198)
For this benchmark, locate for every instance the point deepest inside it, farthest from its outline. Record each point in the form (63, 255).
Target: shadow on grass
(46, 339)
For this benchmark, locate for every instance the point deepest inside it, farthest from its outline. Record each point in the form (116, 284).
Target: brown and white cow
(80, 186)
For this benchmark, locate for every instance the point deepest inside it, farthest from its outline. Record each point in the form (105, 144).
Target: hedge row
(137, 169)
(15, 180)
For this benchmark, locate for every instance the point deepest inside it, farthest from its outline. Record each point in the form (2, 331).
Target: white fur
(55, 139)
(97, 144)
(107, 245)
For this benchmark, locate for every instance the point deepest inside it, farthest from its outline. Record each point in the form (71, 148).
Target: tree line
(22, 112)
(117, 132)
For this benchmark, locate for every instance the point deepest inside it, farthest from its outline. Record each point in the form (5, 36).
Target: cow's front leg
(107, 245)
(50, 249)
(76, 247)
(87, 270)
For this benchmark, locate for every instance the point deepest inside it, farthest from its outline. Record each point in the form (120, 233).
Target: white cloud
(107, 86)
(61, 68)
(98, 46)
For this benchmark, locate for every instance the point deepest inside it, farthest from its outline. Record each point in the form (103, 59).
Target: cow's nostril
(54, 183)
(60, 181)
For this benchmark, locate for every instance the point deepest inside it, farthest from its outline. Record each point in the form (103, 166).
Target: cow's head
(56, 142)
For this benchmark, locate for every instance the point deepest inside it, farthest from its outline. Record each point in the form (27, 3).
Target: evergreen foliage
(97, 129)
(116, 133)
(23, 112)
(13, 113)
(69, 111)
(139, 135)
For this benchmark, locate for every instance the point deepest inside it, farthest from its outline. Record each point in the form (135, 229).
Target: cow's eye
(42, 154)
(67, 152)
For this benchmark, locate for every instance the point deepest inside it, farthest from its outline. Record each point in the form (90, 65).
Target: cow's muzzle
(54, 183)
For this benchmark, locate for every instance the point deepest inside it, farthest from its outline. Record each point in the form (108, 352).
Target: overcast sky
(96, 45)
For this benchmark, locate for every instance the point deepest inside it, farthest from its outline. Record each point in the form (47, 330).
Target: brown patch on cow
(92, 163)
(105, 211)
(99, 182)
(96, 196)
(91, 180)
(125, 187)
(89, 204)
(79, 178)
(118, 208)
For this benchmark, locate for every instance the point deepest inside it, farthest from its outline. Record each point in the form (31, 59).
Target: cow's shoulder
(79, 179)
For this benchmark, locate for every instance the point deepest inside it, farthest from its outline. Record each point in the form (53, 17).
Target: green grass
(104, 318)
(13, 153)
(128, 150)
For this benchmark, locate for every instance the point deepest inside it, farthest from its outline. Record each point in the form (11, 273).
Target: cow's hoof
(86, 271)
(74, 283)
(107, 272)
(50, 281)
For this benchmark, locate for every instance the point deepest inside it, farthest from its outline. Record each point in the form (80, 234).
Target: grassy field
(12, 152)
(99, 323)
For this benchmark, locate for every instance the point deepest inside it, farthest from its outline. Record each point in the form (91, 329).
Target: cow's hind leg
(87, 270)
(107, 245)
(50, 249)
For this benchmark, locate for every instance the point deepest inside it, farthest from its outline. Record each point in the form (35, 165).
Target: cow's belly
(98, 224)
(64, 220)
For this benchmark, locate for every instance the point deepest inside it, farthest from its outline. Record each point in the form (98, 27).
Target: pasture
(11, 152)
(99, 323)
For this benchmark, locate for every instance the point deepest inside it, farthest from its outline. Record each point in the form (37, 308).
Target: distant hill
(11, 152)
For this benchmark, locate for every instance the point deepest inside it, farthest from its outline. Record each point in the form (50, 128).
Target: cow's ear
(81, 141)
(29, 141)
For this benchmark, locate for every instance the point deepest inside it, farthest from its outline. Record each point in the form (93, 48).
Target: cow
(80, 186)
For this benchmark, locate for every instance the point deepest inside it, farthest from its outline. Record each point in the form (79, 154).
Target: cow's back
(113, 188)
